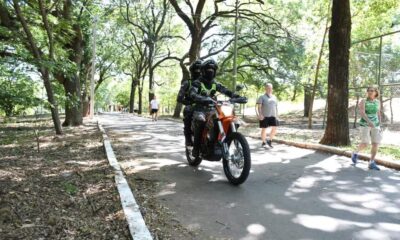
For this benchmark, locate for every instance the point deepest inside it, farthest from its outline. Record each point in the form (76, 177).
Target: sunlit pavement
(291, 193)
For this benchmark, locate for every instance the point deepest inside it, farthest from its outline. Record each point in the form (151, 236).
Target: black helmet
(195, 65)
(209, 64)
(195, 69)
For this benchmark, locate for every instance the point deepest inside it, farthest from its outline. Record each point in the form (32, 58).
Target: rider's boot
(199, 125)
(188, 140)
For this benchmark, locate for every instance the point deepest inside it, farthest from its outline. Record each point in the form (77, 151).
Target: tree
(337, 130)
(149, 27)
(71, 37)
(136, 67)
(134, 60)
(197, 28)
(39, 50)
(17, 91)
(199, 24)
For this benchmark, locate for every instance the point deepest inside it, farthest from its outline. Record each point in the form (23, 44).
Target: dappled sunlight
(352, 209)
(11, 175)
(275, 210)
(255, 231)
(329, 165)
(86, 163)
(371, 234)
(342, 195)
(217, 177)
(327, 224)
(93, 189)
(168, 189)
(148, 164)
(296, 188)
(395, 177)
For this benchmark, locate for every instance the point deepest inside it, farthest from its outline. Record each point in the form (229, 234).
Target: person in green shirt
(370, 126)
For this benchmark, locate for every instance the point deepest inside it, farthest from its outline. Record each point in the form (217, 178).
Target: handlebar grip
(241, 100)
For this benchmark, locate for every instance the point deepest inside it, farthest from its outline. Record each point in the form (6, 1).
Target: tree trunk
(337, 129)
(85, 108)
(314, 89)
(151, 71)
(391, 109)
(73, 104)
(9, 110)
(132, 96)
(307, 99)
(43, 69)
(140, 110)
(52, 101)
(71, 82)
(194, 51)
(294, 94)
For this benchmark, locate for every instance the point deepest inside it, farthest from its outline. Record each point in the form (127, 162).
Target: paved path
(291, 193)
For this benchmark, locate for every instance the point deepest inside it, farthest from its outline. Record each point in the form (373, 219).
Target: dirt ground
(160, 220)
(65, 191)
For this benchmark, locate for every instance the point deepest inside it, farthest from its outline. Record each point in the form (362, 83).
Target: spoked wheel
(192, 160)
(237, 166)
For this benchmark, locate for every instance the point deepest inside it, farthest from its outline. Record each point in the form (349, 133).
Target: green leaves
(17, 91)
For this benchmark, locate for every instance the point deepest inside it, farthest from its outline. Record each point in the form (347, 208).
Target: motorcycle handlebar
(241, 100)
(210, 101)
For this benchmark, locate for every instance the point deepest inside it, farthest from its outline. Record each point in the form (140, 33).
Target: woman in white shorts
(370, 126)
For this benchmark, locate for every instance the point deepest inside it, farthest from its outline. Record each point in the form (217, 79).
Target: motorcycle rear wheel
(242, 149)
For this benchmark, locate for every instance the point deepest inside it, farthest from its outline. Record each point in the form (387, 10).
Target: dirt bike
(220, 140)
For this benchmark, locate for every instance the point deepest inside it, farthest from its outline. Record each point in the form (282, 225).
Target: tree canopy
(145, 48)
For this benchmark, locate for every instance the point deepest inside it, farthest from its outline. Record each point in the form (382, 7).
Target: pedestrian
(267, 106)
(154, 106)
(370, 126)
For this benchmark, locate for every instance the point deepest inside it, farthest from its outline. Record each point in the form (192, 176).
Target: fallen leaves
(66, 191)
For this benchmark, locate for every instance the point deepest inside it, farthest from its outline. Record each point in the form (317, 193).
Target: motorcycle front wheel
(237, 165)
(194, 162)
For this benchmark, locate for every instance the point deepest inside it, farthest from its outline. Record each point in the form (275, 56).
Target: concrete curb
(334, 150)
(137, 226)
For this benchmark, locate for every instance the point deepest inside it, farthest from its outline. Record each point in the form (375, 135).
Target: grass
(70, 188)
(391, 151)
(385, 150)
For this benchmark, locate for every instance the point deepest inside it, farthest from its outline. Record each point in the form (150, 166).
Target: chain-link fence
(376, 61)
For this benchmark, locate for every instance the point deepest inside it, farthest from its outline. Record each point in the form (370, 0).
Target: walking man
(267, 107)
(154, 106)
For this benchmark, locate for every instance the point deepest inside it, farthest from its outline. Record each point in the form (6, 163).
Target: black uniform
(200, 92)
(184, 98)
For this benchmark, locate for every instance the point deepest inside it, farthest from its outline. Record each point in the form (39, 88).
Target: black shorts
(154, 111)
(269, 122)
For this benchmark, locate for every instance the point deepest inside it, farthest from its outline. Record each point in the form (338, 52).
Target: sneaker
(269, 142)
(372, 165)
(263, 144)
(354, 157)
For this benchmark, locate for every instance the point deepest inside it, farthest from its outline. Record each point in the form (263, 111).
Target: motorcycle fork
(223, 136)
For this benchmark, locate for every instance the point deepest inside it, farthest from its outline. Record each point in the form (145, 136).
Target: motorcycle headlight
(227, 109)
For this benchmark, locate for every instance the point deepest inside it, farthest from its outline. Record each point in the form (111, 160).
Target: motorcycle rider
(184, 98)
(201, 91)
